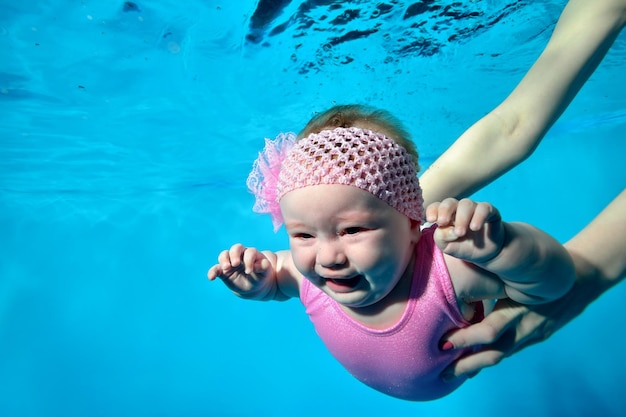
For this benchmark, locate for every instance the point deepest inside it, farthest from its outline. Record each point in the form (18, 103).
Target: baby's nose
(330, 255)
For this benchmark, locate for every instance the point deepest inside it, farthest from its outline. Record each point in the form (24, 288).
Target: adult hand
(511, 327)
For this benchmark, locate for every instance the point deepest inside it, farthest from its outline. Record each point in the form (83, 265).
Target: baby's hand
(245, 271)
(467, 230)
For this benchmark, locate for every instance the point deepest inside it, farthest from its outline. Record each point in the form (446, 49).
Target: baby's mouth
(343, 284)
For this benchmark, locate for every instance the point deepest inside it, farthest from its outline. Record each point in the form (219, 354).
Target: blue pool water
(126, 133)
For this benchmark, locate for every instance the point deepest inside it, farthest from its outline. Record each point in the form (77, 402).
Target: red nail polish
(447, 345)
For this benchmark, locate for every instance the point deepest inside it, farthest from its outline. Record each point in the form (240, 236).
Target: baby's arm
(533, 266)
(256, 275)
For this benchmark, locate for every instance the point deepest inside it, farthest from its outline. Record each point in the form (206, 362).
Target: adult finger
(472, 363)
(505, 314)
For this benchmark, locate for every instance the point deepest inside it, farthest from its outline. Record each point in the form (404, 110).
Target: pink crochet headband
(349, 156)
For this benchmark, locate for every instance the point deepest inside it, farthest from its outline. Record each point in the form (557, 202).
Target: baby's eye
(302, 235)
(353, 230)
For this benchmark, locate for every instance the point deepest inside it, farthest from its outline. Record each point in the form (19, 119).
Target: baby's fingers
(432, 212)
(252, 260)
(214, 272)
(232, 257)
(241, 259)
(465, 211)
(261, 265)
(482, 214)
(442, 212)
(228, 262)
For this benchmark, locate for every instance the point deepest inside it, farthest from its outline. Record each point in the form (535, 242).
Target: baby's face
(347, 242)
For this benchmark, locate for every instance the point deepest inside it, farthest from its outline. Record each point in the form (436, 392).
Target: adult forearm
(599, 250)
(474, 160)
(512, 131)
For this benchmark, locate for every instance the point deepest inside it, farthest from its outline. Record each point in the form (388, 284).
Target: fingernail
(447, 345)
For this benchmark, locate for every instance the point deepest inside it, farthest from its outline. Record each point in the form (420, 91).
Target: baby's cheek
(303, 261)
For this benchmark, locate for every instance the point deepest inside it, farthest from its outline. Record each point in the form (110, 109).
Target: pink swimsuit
(404, 360)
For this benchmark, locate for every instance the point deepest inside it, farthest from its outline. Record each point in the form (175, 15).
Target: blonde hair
(364, 117)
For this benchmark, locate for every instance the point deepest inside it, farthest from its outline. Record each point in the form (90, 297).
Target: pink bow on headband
(263, 178)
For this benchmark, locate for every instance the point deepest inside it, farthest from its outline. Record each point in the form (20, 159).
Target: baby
(380, 289)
